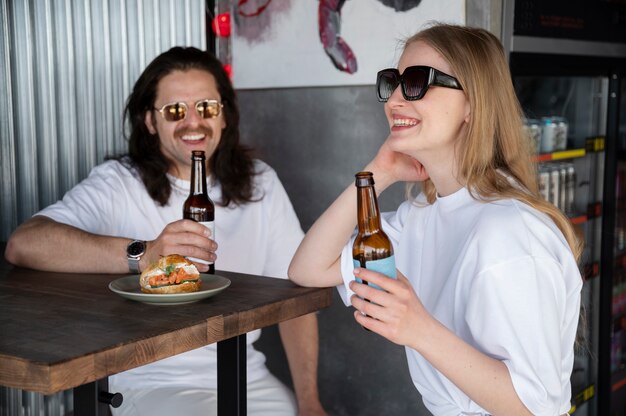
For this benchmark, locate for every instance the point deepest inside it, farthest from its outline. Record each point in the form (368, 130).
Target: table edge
(55, 377)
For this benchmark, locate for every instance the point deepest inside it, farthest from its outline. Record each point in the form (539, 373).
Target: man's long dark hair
(231, 165)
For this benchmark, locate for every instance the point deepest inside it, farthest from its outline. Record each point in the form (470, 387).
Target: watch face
(136, 248)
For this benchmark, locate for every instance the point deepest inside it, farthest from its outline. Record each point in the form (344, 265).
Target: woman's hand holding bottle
(395, 312)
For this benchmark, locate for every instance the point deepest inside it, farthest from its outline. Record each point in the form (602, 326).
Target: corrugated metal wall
(66, 69)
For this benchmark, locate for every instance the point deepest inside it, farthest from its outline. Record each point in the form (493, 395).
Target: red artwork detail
(221, 25)
(229, 70)
(250, 11)
(329, 25)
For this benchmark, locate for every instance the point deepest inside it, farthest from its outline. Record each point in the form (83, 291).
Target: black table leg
(93, 399)
(231, 376)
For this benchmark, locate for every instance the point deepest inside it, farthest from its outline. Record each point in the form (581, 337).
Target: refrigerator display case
(568, 65)
(569, 137)
(617, 327)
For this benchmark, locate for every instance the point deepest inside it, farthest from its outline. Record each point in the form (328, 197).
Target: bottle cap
(364, 179)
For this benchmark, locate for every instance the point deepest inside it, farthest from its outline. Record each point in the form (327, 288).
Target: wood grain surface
(61, 330)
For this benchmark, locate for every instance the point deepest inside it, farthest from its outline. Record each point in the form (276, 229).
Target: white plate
(128, 287)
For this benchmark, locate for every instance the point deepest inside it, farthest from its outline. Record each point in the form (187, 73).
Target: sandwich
(171, 274)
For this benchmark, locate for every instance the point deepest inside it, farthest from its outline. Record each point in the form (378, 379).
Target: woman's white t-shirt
(501, 276)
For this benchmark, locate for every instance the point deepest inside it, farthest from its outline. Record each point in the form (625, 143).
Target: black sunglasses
(415, 81)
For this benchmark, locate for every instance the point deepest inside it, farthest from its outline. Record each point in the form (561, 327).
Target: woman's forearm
(316, 262)
(484, 379)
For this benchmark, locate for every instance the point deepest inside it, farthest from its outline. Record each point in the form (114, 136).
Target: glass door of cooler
(618, 295)
(566, 123)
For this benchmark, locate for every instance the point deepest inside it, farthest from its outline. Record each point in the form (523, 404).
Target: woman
(488, 292)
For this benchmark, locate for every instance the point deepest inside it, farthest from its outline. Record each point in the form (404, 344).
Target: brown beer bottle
(198, 206)
(372, 248)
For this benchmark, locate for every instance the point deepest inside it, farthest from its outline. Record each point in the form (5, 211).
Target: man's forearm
(43, 244)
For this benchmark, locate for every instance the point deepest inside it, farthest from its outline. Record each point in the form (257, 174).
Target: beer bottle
(198, 206)
(372, 248)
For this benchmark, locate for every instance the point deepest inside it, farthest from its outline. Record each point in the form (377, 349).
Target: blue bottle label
(386, 266)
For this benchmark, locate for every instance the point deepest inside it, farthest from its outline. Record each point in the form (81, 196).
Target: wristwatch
(134, 251)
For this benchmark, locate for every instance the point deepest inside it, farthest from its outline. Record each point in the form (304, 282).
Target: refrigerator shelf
(594, 210)
(595, 144)
(618, 380)
(579, 219)
(582, 396)
(561, 155)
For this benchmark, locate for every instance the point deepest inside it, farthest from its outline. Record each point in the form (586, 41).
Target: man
(128, 212)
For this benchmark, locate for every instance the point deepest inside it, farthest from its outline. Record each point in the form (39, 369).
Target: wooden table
(62, 330)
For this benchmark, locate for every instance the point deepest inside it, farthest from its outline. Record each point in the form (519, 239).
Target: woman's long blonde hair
(495, 143)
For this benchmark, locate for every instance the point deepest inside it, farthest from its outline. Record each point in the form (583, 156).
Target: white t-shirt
(501, 276)
(256, 238)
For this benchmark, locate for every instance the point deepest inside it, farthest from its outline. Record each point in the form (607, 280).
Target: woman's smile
(403, 122)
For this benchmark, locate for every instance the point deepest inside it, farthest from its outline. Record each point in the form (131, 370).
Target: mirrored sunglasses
(414, 81)
(178, 111)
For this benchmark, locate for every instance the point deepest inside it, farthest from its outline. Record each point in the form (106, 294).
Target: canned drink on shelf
(533, 130)
(563, 185)
(560, 137)
(544, 183)
(565, 128)
(526, 128)
(555, 187)
(548, 134)
(570, 188)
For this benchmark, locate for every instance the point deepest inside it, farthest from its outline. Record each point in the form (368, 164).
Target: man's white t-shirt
(257, 238)
(501, 276)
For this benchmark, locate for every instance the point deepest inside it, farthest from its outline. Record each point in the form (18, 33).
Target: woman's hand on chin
(390, 166)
